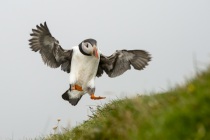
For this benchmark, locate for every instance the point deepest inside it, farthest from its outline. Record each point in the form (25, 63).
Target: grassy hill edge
(181, 113)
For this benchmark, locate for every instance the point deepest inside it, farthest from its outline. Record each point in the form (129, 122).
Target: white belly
(83, 69)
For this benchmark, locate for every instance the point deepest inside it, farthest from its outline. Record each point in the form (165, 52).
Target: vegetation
(182, 113)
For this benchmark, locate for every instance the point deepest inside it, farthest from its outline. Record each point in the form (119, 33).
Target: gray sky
(174, 32)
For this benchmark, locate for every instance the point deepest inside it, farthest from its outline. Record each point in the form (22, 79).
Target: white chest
(83, 68)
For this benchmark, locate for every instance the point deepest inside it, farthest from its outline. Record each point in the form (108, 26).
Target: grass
(182, 113)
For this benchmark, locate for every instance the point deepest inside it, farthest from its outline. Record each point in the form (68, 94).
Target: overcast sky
(175, 32)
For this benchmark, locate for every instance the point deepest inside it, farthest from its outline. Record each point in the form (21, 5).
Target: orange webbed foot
(93, 97)
(76, 87)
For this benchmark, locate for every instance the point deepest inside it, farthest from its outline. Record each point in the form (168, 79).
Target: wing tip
(37, 34)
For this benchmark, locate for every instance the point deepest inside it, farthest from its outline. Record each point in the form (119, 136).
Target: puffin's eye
(87, 46)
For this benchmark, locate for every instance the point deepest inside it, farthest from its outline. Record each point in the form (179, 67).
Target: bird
(84, 62)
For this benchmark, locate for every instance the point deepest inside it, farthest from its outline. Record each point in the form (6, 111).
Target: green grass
(182, 113)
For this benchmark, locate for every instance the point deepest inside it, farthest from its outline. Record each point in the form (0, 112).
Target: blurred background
(175, 33)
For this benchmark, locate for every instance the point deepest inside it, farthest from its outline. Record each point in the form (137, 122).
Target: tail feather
(72, 101)
(65, 96)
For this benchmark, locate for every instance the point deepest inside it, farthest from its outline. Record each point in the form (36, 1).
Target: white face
(87, 48)
(90, 49)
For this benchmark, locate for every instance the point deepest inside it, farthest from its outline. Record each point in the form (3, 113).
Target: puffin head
(89, 47)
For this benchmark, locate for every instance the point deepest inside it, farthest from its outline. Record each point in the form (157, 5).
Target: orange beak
(95, 52)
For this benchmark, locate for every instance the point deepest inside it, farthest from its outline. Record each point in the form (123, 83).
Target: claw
(93, 97)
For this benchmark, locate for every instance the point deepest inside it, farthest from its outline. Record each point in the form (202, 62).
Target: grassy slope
(180, 114)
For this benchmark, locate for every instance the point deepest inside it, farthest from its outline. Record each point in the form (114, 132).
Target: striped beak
(95, 52)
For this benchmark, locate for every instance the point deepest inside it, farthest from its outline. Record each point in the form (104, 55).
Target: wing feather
(121, 61)
(53, 55)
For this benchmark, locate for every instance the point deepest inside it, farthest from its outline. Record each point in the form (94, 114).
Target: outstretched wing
(51, 52)
(121, 61)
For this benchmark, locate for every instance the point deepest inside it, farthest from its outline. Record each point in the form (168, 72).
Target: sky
(176, 33)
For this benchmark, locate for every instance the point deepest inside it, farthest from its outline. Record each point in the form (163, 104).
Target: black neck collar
(81, 50)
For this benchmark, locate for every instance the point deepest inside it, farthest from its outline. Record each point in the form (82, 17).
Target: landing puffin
(84, 62)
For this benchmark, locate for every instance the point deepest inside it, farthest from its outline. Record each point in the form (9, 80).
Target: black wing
(121, 61)
(52, 53)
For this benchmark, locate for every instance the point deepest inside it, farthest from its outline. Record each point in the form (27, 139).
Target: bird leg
(76, 87)
(93, 97)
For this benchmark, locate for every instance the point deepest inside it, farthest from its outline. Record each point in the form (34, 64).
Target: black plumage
(121, 61)
(51, 52)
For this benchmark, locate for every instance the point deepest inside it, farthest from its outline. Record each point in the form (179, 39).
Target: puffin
(84, 62)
